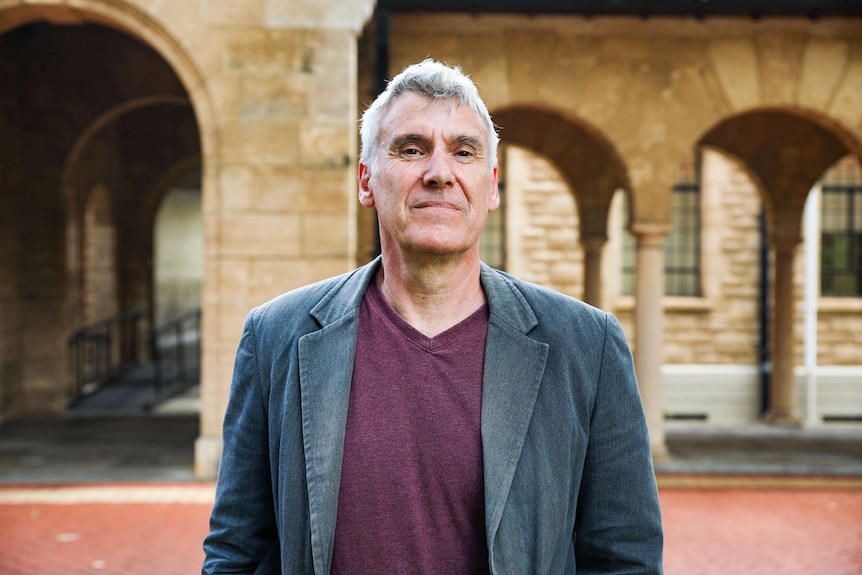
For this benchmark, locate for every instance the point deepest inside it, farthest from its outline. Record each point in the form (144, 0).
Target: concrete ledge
(207, 457)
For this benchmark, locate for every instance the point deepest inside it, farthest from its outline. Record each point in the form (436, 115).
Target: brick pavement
(714, 526)
(113, 529)
(763, 527)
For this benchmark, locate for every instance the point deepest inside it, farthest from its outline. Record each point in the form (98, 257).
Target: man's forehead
(421, 116)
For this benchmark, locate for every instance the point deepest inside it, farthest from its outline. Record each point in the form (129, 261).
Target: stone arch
(72, 184)
(587, 161)
(785, 152)
(89, 133)
(127, 18)
(586, 158)
(78, 177)
(138, 24)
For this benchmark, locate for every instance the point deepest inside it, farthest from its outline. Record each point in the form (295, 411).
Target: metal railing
(176, 351)
(117, 349)
(100, 351)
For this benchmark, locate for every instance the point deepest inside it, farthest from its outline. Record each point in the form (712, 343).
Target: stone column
(783, 397)
(593, 247)
(649, 323)
(279, 192)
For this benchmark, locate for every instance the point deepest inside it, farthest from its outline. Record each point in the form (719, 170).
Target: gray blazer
(569, 481)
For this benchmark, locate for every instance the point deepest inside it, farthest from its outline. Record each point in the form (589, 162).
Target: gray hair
(431, 79)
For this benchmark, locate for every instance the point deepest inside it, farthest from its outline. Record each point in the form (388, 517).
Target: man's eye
(465, 153)
(411, 151)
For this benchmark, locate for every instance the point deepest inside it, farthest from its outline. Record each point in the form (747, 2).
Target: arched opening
(97, 120)
(588, 163)
(784, 153)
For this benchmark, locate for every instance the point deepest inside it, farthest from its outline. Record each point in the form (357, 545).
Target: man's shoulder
(338, 293)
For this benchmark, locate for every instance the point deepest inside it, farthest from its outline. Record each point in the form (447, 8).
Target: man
(425, 413)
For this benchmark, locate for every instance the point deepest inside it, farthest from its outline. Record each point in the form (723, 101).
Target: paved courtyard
(757, 526)
(117, 496)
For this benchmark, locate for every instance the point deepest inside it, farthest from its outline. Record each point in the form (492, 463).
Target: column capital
(644, 230)
(784, 243)
(594, 242)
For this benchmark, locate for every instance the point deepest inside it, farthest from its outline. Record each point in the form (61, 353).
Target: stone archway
(589, 164)
(97, 155)
(43, 385)
(785, 153)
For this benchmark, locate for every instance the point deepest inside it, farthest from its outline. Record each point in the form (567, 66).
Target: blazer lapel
(326, 369)
(514, 366)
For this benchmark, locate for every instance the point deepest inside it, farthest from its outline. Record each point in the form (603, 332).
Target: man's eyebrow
(401, 139)
(474, 141)
(405, 138)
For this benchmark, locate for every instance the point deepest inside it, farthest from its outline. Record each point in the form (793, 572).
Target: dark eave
(756, 9)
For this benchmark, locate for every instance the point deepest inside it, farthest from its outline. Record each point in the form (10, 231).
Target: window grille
(681, 245)
(492, 241)
(841, 230)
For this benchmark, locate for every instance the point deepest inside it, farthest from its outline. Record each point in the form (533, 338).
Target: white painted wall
(178, 252)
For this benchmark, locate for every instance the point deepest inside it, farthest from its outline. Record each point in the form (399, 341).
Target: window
(681, 245)
(492, 241)
(841, 231)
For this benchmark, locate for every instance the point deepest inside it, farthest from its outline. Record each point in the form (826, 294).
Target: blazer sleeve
(618, 526)
(243, 535)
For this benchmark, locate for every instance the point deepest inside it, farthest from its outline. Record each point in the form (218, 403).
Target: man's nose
(439, 170)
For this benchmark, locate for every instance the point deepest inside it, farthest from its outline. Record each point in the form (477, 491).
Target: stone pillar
(649, 323)
(783, 397)
(593, 247)
(279, 192)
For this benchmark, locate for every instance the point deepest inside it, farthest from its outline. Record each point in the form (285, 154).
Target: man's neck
(432, 297)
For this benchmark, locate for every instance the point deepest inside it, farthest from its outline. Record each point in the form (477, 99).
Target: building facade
(609, 119)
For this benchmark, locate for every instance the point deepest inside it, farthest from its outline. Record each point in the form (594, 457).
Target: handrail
(176, 350)
(103, 351)
(99, 351)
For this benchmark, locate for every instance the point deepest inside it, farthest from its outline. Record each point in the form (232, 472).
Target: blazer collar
(514, 368)
(346, 295)
(326, 367)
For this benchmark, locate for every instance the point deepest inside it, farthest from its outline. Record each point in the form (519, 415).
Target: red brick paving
(762, 532)
(709, 531)
(108, 538)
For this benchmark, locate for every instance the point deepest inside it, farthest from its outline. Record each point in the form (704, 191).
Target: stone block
(273, 96)
(325, 235)
(348, 16)
(780, 64)
(299, 191)
(734, 62)
(232, 13)
(326, 144)
(822, 69)
(263, 235)
(273, 277)
(233, 279)
(261, 142)
(236, 187)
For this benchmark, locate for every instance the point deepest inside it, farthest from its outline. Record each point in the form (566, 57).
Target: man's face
(432, 182)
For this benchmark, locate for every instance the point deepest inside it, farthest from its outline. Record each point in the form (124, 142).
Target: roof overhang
(756, 9)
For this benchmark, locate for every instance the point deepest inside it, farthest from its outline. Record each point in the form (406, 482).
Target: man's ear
(494, 198)
(366, 198)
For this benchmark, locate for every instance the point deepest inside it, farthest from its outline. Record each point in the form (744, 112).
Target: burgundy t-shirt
(412, 496)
